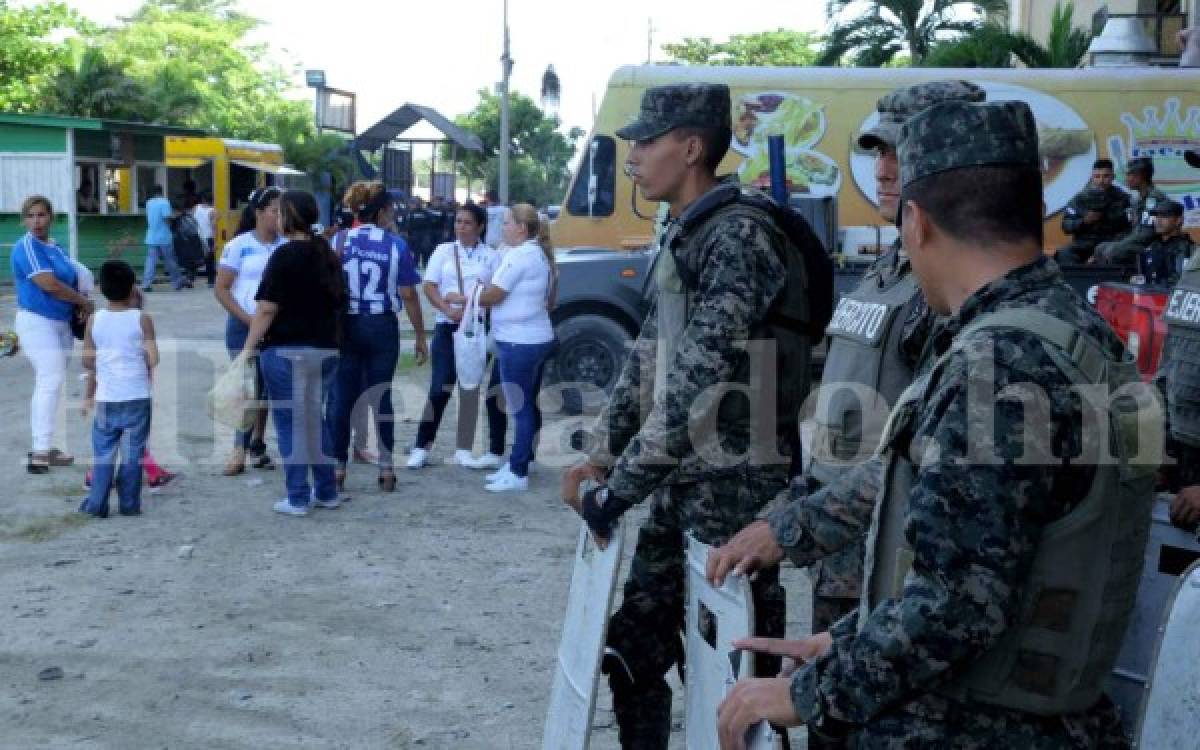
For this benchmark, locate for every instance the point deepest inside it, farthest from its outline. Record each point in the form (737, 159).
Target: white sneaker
(504, 471)
(462, 458)
(417, 458)
(327, 504)
(285, 507)
(509, 483)
(486, 461)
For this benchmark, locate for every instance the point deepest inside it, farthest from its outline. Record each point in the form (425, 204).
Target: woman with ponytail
(300, 301)
(521, 295)
(379, 272)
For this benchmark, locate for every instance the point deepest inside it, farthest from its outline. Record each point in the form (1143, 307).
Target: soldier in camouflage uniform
(1163, 259)
(963, 641)
(875, 340)
(1099, 213)
(718, 274)
(1139, 177)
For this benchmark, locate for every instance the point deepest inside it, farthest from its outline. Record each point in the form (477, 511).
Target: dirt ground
(429, 617)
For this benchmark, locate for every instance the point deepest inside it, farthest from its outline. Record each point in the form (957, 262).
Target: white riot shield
(715, 619)
(1170, 717)
(573, 694)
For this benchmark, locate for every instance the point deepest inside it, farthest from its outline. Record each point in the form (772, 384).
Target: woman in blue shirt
(380, 271)
(46, 299)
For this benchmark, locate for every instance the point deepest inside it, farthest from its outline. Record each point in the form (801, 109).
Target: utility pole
(649, 40)
(506, 64)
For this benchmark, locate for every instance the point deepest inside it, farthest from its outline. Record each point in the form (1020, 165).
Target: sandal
(39, 463)
(387, 480)
(260, 459)
(236, 463)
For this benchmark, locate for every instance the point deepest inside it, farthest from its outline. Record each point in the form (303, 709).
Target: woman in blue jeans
(300, 301)
(521, 296)
(379, 272)
(242, 262)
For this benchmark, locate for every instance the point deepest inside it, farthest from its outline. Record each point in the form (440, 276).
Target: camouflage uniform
(1142, 219)
(837, 582)
(644, 435)
(974, 526)
(1112, 203)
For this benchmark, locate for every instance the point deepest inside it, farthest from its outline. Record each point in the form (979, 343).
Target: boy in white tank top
(119, 352)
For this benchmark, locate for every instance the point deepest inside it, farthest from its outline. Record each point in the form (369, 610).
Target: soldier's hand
(750, 702)
(576, 476)
(1185, 507)
(753, 547)
(794, 652)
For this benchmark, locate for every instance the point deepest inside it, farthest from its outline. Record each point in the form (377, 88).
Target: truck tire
(591, 350)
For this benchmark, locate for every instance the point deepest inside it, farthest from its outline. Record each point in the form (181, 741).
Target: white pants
(45, 343)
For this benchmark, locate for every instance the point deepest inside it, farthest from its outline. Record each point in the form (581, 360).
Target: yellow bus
(230, 168)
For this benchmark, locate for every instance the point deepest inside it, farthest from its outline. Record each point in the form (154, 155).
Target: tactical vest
(789, 380)
(1182, 362)
(864, 373)
(1079, 593)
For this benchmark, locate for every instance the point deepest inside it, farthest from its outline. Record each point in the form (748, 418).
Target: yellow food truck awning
(263, 166)
(186, 162)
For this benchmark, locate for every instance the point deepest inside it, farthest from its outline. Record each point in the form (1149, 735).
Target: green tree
(993, 46)
(872, 33)
(765, 48)
(539, 155)
(91, 85)
(30, 56)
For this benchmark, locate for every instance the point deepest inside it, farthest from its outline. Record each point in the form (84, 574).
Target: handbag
(232, 395)
(470, 344)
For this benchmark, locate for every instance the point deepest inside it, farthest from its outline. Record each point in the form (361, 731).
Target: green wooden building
(98, 175)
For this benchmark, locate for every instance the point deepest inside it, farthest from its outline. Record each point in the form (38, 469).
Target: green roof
(84, 123)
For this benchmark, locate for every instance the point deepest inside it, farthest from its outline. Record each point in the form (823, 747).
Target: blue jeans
(235, 338)
(442, 382)
(122, 426)
(370, 350)
(520, 367)
(168, 254)
(299, 381)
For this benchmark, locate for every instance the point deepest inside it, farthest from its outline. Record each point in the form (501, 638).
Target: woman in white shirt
(238, 274)
(521, 295)
(453, 270)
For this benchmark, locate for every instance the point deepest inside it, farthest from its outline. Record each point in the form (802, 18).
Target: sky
(391, 52)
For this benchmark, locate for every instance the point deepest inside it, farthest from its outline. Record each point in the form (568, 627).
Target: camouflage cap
(664, 108)
(895, 108)
(1167, 208)
(957, 134)
(1193, 158)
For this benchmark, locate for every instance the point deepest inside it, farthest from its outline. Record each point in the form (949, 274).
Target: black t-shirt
(310, 293)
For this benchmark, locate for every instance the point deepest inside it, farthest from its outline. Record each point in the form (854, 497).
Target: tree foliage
(30, 56)
(765, 48)
(993, 46)
(539, 155)
(872, 33)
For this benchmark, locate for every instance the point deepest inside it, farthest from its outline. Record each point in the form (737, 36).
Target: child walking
(119, 352)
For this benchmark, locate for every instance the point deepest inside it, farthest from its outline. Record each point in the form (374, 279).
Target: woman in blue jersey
(238, 276)
(47, 297)
(380, 273)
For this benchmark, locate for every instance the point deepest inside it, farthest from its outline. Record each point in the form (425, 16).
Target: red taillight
(1135, 314)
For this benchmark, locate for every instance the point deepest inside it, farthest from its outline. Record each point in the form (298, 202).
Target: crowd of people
(315, 310)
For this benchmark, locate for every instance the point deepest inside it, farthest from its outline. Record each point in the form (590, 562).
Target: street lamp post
(506, 64)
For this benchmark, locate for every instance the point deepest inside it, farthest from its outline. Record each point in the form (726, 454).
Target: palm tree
(873, 33)
(993, 46)
(91, 85)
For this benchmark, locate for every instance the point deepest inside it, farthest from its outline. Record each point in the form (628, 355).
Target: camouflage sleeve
(1072, 217)
(1116, 219)
(973, 526)
(812, 527)
(739, 281)
(918, 327)
(621, 416)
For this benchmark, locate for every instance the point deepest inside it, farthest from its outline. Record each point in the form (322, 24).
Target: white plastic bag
(470, 344)
(232, 395)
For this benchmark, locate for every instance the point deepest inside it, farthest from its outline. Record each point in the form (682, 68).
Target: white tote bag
(470, 344)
